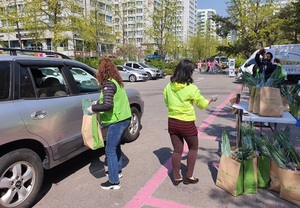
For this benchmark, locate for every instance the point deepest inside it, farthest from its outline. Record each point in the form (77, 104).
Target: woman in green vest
(114, 109)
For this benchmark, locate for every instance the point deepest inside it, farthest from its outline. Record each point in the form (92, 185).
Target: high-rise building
(206, 26)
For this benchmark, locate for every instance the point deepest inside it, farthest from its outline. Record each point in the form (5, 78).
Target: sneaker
(108, 185)
(120, 174)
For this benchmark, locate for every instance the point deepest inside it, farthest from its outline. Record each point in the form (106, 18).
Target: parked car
(152, 73)
(41, 121)
(130, 74)
(161, 72)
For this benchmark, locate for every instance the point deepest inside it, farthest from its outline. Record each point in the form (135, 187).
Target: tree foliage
(165, 22)
(256, 23)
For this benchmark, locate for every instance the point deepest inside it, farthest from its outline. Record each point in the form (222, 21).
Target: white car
(152, 73)
(83, 78)
(130, 74)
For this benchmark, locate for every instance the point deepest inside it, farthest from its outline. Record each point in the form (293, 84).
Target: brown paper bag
(232, 101)
(270, 104)
(91, 132)
(251, 99)
(256, 101)
(230, 176)
(274, 177)
(290, 185)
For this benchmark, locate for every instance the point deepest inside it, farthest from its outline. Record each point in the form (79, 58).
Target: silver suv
(40, 122)
(152, 73)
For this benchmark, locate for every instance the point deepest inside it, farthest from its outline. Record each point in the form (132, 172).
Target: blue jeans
(113, 149)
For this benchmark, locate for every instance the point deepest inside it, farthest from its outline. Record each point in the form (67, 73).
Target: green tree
(255, 24)
(13, 15)
(290, 19)
(165, 22)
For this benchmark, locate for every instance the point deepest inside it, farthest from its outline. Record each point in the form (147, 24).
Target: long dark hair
(183, 72)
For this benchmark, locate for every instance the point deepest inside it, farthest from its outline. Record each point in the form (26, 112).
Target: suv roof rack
(14, 52)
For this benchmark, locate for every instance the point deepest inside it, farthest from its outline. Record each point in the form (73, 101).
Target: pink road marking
(216, 165)
(164, 204)
(145, 192)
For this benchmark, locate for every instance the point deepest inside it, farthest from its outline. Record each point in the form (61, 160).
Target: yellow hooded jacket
(180, 100)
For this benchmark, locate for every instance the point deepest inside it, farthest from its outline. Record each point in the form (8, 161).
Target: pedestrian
(199, 66)
(213, 65)
(282, 72)
(208, 65)
(220, 66)
(115, 112)
(264, 66)
(180, 95)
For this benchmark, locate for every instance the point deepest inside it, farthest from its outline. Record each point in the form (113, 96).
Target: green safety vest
(121, 108)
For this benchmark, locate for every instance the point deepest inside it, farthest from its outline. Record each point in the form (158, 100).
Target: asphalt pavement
(147, 180)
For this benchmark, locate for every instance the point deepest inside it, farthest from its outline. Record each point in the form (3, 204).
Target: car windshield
(224, 59)
(144, 65)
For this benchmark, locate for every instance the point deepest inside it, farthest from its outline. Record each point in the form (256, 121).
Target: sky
(218, 5)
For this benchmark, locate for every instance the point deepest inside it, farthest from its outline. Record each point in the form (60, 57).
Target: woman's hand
(89, 109)
(214, 98)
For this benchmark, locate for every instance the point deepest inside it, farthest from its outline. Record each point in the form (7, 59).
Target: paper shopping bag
(290, 185)
(270, 104)
(274, 177)
(263, 171)
(256, 102)
(251, 98)
(250, 175)
(230, 176)
(91, 132)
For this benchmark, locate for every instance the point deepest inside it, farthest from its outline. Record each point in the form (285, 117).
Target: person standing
(115, 112)
(264, 66)
(213, 65)
(180, 95)
(208, 65)
(199, 66)
(282, 72)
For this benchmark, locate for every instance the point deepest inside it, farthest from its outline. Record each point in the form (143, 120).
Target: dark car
(41, 118)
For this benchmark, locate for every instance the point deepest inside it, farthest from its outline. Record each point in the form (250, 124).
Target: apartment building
(129, 20)
(9, 34)
(206, 26)
(133, 17)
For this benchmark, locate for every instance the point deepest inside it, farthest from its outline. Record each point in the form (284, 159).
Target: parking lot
(147, 178)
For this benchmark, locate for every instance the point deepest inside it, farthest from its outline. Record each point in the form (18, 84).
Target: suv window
(128, 64)
(4, 80)
(85, 81)
(45, 82)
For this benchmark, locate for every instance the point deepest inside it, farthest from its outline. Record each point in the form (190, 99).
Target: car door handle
(38, 115)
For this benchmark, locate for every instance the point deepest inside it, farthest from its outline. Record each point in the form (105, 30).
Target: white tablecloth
(286, 118)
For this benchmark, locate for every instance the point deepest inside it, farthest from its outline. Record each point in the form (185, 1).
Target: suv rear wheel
(133, 131)
(21, 177)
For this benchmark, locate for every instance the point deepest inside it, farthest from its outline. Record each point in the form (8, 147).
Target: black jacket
(266, 67)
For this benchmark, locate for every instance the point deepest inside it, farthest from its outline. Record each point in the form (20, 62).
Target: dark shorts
(183, 128)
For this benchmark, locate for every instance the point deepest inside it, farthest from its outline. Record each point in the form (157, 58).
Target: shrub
(239, 62)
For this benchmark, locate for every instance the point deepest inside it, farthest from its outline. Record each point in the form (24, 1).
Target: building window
(139, 40)
(139, 25)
